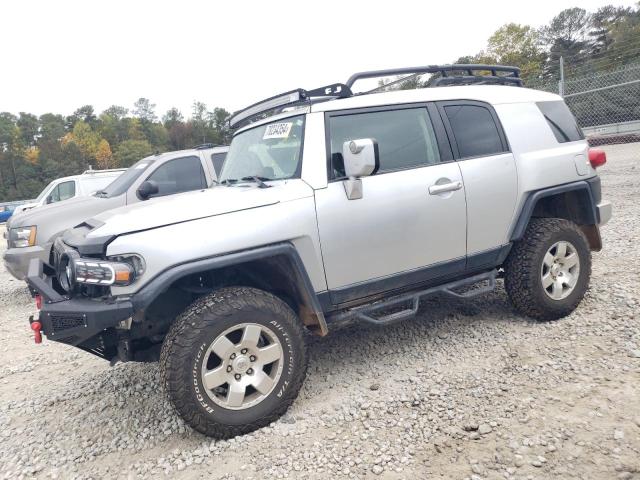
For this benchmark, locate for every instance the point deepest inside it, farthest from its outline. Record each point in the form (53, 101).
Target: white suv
(66, 188)
(332, 206)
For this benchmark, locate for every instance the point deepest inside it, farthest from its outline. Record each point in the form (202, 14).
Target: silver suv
(31, 234)
(332, 206)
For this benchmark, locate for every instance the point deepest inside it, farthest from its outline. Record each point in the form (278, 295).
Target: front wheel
(547, 272)
(234, 361)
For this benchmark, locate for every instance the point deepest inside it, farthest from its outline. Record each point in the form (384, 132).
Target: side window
(63, 191)
(217, 159)
(561, 121)
(179, 175)
(474, 129)
(54, 195)
(406, 138)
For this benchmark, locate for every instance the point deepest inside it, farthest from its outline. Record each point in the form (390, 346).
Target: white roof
(492, 94)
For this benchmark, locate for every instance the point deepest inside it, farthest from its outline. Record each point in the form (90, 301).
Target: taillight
(597, 157)
(38, 302)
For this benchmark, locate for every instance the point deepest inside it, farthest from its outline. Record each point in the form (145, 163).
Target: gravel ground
(462, 391)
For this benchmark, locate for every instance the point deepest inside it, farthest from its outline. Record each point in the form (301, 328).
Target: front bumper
(80, 321)
(605, 211)
(16, 260)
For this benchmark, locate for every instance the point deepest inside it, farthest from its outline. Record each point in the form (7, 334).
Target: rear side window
(179, 175)
(405, 138)
(217, 159)
(475, 130)
(561, 120)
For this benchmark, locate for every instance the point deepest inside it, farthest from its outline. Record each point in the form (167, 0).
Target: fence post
(561, 82)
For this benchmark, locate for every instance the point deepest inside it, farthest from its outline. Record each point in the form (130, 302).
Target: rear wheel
(547, 272)
(234, 361)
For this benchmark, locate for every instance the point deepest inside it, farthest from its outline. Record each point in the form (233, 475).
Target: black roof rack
(447, 75)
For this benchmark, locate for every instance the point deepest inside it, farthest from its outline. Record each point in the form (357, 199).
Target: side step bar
(367, 312)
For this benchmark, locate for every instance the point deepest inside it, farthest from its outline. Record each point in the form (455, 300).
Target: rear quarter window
(475, 130)
(561, 121)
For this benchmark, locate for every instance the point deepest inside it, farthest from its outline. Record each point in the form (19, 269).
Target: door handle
(444, 188)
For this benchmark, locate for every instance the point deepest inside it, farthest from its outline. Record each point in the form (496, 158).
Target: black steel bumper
(72, 320)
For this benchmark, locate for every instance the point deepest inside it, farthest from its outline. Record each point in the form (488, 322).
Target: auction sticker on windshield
(277, 130)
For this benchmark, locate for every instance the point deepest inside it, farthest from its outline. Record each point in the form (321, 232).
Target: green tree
(218, 119)
(172, 117)
(29, 128)
(51, 127)
(566, 36)
(130, 151)
(517, 45)
(144, 109)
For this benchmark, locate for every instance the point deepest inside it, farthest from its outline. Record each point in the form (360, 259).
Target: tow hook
(37, 329)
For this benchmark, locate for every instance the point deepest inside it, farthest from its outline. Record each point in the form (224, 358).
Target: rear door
(489, 173)
(410, 224)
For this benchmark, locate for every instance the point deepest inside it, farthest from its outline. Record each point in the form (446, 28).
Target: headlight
(22, 237)
(121, 271)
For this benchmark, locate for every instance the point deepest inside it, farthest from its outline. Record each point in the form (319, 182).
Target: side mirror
(147, 189)
(361, 159)
(49, 200)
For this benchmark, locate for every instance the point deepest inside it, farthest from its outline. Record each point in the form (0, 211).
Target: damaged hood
(184, 207)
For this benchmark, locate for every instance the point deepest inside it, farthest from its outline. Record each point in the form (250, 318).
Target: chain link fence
(606, 105)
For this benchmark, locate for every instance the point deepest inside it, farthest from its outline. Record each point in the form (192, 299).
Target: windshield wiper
(228, 181)
(259, 180)
(101, 194)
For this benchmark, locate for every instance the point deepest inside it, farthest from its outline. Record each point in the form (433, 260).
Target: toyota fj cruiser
(332, 206)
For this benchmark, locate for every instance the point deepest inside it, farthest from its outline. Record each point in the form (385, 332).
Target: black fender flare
(532, 199)
(306, 294)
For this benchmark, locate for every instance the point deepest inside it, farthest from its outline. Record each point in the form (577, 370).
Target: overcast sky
(57, 55)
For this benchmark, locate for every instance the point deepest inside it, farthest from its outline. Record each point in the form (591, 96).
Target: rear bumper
(605, 211)
(73, 320)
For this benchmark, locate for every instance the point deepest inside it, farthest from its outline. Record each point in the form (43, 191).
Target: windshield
(43, 193)
(269, 152)
(124, 181)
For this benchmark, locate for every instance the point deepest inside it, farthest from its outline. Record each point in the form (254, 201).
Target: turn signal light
(597, 157)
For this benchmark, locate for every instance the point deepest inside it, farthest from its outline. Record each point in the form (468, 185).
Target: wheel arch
(573, 201)
(275, 268)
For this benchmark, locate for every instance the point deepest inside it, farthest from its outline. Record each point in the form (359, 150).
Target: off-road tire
(181, 359)
(523, 281)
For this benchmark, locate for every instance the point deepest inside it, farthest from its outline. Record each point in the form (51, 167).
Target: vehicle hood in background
(56, 217)
(24, 207)
(184, 207)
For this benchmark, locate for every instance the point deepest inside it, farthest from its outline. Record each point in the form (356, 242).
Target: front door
(410, 224)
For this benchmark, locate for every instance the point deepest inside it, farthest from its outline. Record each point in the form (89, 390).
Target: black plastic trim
(87, 245)
(423, 277)
(489, 258)
(147, 294)
(397, 282)
(533, 197)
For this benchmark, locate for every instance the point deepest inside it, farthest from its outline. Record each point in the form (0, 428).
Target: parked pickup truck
(65, 188)
(32, 233)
